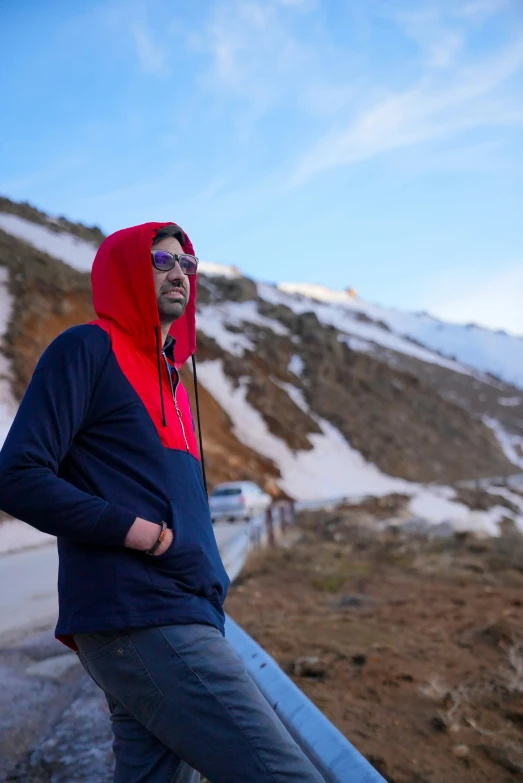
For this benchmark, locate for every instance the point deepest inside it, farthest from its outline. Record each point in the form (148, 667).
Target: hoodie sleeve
(53, 410)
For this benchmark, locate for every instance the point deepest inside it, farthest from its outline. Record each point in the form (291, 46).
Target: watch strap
(158, 541)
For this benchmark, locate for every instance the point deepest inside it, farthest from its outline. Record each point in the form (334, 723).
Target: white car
(238, 500)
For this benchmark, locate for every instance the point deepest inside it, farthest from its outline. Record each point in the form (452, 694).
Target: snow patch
(296, 396)
(436, 504)
(510, 443)
(319, 292)
(296, 365)
(73, 251)
(213, 320)
(514, 497)
(238, 312)
(212, 269)
(355, 344)
(510, 402)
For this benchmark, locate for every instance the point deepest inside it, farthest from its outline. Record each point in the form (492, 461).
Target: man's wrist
(142, 534)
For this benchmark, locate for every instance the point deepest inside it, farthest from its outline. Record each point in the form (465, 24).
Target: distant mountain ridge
(307, 391)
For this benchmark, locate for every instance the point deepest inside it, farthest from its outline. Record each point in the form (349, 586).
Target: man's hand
(143, 534)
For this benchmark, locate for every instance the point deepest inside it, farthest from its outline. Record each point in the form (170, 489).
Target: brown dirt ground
(419, 641)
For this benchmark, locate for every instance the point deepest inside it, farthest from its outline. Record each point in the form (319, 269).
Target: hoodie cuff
(113, 525)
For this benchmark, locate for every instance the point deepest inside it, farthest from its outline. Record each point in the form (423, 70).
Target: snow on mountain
(332, 468)
(511, 443)
(295, 365)
(73, 251)
(481, 349)
(212, 269)
(360, 334)
(214, 320)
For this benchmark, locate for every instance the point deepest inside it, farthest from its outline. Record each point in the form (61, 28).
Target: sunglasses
(164, 261)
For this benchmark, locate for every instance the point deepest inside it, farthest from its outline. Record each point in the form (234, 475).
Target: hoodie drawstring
(202, 460)
(159, 359)
(196, 395)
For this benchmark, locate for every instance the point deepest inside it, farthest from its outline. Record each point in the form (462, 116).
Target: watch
(158, 541)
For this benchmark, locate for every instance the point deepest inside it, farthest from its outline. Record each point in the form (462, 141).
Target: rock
(438, 724)
(481, 500)
(379, 763)
(309, 666)
(235, 289)
(508, 756)
(442, 530)
(461, 751)
(498, 633)
(41, 645)
(416, 525)
(355, 601)
(515, 715)
(30, 705)
(359, 660)
(77, 747)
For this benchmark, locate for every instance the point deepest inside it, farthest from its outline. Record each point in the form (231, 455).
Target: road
(28, 582)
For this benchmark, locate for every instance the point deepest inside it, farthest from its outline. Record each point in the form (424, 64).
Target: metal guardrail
(329, 503)
(330, 752)
(234, 553)
(333, 755)
(512, 480)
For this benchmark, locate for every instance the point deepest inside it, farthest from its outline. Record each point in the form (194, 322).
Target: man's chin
(172, 310)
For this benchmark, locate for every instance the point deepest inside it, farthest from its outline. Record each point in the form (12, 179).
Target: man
(102, 454)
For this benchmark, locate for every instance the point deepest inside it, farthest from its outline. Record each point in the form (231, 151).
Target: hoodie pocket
(192, 563)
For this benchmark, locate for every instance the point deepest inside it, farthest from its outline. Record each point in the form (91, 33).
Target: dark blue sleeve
(53, 410)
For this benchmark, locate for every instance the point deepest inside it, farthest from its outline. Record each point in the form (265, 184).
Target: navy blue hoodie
(101, 437)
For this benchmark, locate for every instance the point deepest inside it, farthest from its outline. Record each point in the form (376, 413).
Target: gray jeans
(181, 700)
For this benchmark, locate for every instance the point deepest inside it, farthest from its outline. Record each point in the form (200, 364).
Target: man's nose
(175, 273)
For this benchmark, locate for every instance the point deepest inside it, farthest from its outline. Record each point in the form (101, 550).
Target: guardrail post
(283, 517)
(270, 527)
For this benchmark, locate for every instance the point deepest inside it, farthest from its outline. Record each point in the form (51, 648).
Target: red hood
(123, 290)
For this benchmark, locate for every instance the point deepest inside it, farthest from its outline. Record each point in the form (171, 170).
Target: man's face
(172, 288)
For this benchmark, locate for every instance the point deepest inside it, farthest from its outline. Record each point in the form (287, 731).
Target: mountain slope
(307, 397)
(483, 350)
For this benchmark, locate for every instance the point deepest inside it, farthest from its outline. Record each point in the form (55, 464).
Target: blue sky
(371, 144)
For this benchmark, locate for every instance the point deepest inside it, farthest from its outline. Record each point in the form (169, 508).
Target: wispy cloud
(426, 26)
(482, 8)
(250, 47)
(303, 4)
(152, 55)
(434, 108)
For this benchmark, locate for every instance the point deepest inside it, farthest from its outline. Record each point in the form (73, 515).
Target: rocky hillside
(309, 392)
